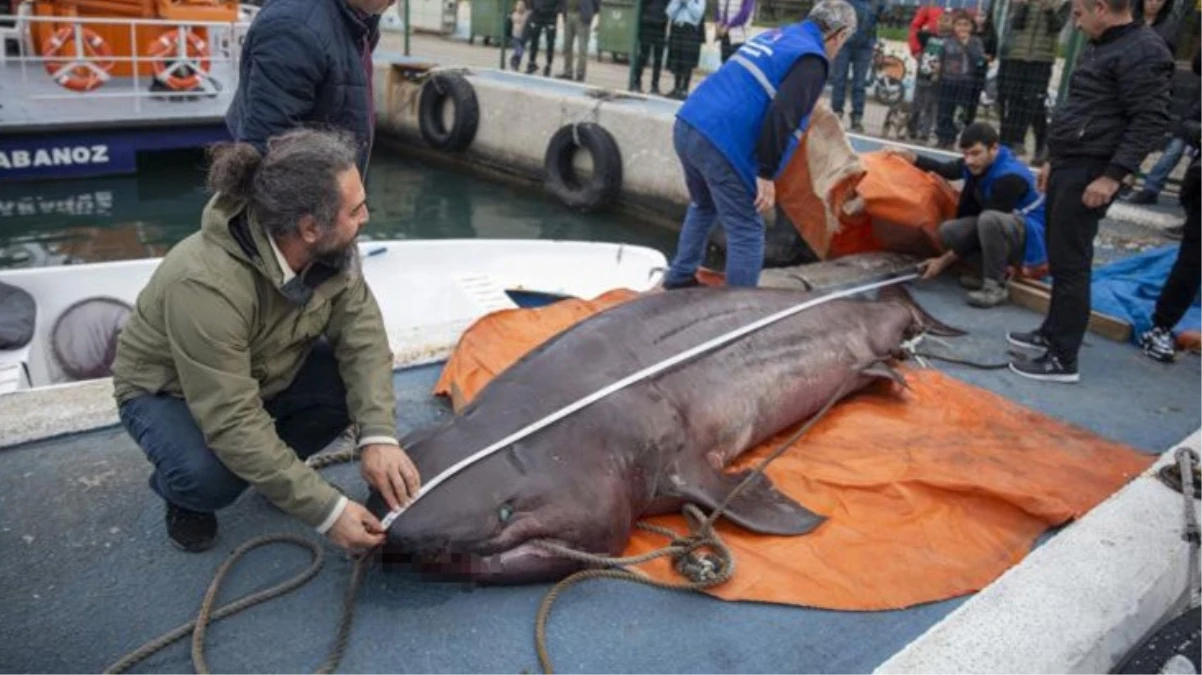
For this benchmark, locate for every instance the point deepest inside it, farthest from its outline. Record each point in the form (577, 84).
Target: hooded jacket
(217, 326)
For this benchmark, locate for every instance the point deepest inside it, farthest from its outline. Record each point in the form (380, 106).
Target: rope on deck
(207, 614)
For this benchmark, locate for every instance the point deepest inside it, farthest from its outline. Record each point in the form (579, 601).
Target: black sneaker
(1030, 340)
(1158, 343)
(1144, 196)
(691, 282)
(1046, 368)
(190, 531)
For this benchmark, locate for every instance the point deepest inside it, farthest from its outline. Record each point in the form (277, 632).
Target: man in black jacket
(308, 62)
(1116, 112)
(1186, 276)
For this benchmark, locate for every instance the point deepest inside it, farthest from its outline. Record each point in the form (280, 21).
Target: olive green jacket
(217, 326)
(1035, 30)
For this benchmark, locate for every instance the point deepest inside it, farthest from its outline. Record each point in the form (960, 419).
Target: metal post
(1070, 63)
(407, 28)
(501, 27)
(636, 22)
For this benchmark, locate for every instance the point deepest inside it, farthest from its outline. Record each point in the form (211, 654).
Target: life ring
(84, 65)
(167, 61)
(601, 189)
(435, 92)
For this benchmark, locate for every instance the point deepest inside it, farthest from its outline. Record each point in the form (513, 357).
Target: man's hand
(933, 267)
(390, 471)
(765, 195)
(1041, 181)
(1100, 192)
(356, 529)
(908, 155)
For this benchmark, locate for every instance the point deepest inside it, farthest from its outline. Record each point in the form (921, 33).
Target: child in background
(517, 32)
(963, 56)
(930, 59)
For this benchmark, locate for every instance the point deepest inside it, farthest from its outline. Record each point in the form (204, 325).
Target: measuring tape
(631, 379)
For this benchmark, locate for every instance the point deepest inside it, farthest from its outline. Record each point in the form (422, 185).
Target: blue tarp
(1128, 288)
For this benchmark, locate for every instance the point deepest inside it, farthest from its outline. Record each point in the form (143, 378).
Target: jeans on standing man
(856, 57)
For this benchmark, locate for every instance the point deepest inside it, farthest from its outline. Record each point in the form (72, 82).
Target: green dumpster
(487, 21)
(615, 28)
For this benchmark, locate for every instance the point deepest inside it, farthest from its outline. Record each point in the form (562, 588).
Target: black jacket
(303, 63)
(1117, 109)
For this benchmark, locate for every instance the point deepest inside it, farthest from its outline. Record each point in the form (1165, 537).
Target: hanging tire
(601, 189)
(435, 92)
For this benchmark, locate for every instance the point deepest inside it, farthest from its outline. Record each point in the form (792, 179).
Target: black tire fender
(601, 189)
(439, 88)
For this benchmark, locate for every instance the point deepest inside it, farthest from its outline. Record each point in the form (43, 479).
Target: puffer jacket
(1117, 109)
(306, 61)
(217, 304)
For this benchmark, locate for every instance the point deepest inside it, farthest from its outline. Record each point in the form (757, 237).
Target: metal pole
(407, 27)
(1070, 63)
(634, 37)
(501, 29)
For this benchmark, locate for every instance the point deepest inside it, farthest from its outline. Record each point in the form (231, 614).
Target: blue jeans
(1159, 174)
(715, 191)
(857, 56)
(309, 414)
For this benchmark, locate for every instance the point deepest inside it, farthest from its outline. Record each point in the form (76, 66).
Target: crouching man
(257, 342)
(1000, 216)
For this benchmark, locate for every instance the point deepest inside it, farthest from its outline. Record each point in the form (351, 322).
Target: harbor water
(60, 222)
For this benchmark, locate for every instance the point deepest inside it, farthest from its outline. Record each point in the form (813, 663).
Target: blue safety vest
(729, 107)
(1031, 207)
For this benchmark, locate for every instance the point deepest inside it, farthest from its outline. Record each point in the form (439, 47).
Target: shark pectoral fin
(759, 507)
(883, 370)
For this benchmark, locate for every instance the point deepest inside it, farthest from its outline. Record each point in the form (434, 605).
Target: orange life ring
(83, 66)
(166, 59)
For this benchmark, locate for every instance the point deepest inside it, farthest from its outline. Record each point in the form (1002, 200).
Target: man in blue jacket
(737, 130)
(308, 62)
(1000, 216)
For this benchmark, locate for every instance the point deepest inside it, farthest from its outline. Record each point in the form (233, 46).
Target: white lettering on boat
(96, 203)
(60, 156)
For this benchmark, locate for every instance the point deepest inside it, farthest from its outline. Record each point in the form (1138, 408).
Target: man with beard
(257, 342)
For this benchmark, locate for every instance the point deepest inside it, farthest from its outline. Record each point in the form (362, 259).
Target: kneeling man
(1000, 215)
(257, 342)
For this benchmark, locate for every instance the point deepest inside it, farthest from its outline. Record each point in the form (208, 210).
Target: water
(128, 217)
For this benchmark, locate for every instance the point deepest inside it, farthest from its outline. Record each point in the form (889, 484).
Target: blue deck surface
(88, 575)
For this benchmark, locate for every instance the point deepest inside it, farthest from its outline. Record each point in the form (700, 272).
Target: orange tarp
(931, 492)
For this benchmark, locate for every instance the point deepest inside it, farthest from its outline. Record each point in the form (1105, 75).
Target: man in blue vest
(1000, 215)
(736, 131)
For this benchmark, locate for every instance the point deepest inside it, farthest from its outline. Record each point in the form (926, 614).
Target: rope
(207, 614)
(962, 362)
(702, 572)
(1185, 458)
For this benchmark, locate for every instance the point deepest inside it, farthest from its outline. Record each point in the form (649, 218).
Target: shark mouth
(526, 562)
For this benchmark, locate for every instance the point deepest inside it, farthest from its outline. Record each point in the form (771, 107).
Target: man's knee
(187, 472)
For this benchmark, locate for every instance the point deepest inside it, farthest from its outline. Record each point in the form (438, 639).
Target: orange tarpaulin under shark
(930, 492)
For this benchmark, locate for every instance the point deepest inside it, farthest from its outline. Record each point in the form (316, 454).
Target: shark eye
(505, 512)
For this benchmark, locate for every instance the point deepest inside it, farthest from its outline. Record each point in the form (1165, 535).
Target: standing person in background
(577, 27)
(1028, 54)
(542, 20)
(737, 131)
(731, 20)
(963, 56)
(518, 19)
(1115, 113)
(308, 61)
(926, 81)
(926, 20)
(856, 56)
(684, 43)
(1156, 14)
(988, 36)
(653, 31)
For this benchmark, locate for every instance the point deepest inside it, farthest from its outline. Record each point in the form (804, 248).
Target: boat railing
(175, 59)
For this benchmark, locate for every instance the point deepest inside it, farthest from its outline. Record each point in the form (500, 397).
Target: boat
(94, 83)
